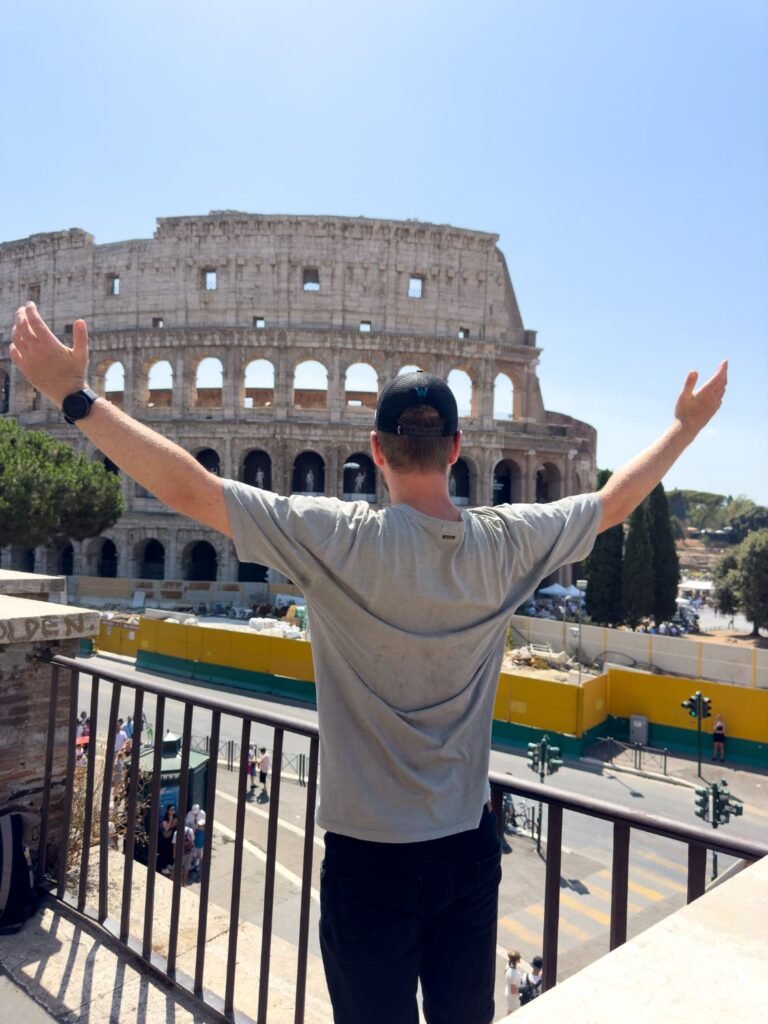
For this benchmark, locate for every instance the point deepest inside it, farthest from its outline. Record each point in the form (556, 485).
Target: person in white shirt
(263, 762)
(512, 981)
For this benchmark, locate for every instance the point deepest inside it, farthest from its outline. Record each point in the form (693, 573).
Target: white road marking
(229, 833)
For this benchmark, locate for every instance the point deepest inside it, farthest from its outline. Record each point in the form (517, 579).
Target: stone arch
(108, 559)
(359, 483)
(310, 385)
(361, 386)
(259, 384)
(459, 483)
(408, 369)
(114, 382)
(150, 559)
(5, 391)
(549, 482)
(462, 386)
(257, 469)
(65, 559)
(503, 397)
(159, 394)
(200, 561)
(210, 459)
(507, 483)
(308, 474)
(209, 383)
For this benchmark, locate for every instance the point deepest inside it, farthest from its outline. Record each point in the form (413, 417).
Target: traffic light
(554, 761)
(735, 806)
(706, 707)
(533, 756)
(702, 803)
(691, 705)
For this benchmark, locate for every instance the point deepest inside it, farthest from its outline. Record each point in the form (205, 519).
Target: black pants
(392, 914)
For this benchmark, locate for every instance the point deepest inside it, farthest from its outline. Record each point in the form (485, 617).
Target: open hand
(54, 369)
(694, 409)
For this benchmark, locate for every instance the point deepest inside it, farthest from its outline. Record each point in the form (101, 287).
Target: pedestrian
(128, 727)
(532, 982)
(81, 723)
(252, 762)
(168, 827)
(120, 738)
(512, 981)
(196, 821)
(410, 605)
(263, 761)
(718, 739)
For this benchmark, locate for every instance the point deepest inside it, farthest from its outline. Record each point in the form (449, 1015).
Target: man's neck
(425, 492)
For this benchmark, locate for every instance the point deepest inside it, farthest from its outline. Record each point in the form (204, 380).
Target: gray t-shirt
(409, 617)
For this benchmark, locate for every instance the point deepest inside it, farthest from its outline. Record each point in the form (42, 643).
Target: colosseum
(259, 343)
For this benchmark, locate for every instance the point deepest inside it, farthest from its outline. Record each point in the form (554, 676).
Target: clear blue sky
(619, 149)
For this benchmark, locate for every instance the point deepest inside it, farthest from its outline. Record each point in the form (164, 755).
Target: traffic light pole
(698, 737)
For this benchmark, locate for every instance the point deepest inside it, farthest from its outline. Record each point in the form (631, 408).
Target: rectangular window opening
(209, 280)
(463, 332)
(34, 293)
(311, 279)
(415, 287)
(259, 323)
(68, 328)
(157, 321)
(113, 284)
(365, 326)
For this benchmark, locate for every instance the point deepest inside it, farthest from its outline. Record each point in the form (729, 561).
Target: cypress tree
(602, 570)
(666, 566)
(637, 576)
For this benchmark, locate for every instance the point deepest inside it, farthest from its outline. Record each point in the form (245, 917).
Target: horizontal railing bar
(171, 690)
(667, 828)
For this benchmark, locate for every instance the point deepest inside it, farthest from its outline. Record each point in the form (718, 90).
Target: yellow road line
(640, 890)
(520, 931)
(658, 879)
(604, 894)
(564, 925)
(665, 862)
(571, 901)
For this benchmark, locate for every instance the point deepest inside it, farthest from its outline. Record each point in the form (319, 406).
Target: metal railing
(697, 839)
(634, 754)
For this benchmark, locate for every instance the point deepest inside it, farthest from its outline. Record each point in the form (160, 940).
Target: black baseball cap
(418, 388)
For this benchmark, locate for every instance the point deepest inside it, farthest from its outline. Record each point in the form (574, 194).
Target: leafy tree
(666, 567)
(49, 493)
(637, 575)
(749, 520)
(741, 580)
(752, 567)
(701, 509)
(602, 570)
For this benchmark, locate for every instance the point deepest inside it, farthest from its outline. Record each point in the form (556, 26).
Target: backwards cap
(419, 388)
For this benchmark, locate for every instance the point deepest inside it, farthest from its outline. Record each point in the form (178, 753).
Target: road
(658, 867)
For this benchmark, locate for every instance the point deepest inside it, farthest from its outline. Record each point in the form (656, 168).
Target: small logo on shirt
(449, 536)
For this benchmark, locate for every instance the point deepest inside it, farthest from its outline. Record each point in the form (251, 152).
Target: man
(532, 981)
(263, 761)
(410, 607)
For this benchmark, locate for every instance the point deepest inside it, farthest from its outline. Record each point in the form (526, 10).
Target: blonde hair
(513, 956)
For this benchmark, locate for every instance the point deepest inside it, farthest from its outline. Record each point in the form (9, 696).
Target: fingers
(690, 382)
(80, 341)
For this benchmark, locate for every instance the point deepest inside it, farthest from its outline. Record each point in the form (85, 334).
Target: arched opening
(209, 458)
(107, 563)
(359, 478)
(252, 572)
(458, 483)
(114, 384)
(152, 562)
(160, 385)
(200, 562)
(408, 369)
(308, 474)
(310, 385)
(503, 397)
(259, 391)
(5, 392)
(110, 466)
(257, 470)
(27, 560)
(361, 386)
(209, 384)
(67, 561)
(548, 483)
(460, 384)
(507, 483)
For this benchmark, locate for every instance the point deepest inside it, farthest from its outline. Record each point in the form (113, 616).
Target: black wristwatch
(77, 405)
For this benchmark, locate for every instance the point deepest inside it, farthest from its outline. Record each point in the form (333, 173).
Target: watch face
(76, 406)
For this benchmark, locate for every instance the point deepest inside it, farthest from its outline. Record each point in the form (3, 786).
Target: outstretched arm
(158, 464)
(635, 481)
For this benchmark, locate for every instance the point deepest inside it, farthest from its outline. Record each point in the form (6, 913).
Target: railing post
(497, 806)
(552, 894)
(697, 871)
(619, 884)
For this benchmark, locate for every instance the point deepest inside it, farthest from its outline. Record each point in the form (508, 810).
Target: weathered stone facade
(284, 290)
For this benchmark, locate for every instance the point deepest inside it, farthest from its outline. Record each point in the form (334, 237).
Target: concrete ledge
(30, 583)
(667, 973)
(28, 621)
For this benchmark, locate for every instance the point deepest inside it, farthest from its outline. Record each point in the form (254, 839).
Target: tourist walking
(718, 739)
(512, 981)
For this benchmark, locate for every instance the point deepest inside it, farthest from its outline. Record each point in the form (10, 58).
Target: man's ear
(455, 448)
(378, 458)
